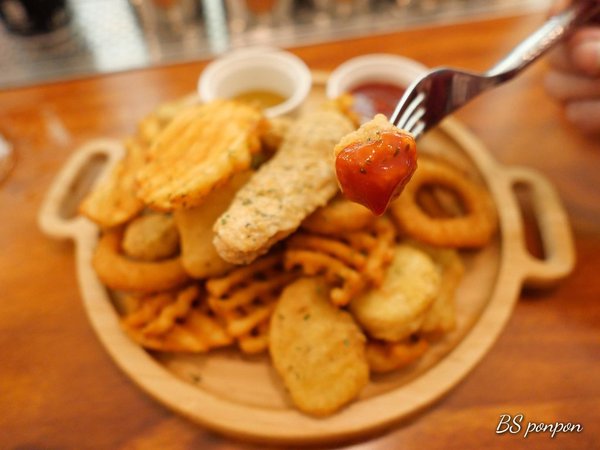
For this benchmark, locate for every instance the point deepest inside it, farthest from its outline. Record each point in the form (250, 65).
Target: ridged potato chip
(199, 150)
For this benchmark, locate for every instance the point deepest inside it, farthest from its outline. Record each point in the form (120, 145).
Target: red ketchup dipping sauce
(376, 97)
(374, 172)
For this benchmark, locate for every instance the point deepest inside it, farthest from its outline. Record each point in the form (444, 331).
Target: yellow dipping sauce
(260, 99)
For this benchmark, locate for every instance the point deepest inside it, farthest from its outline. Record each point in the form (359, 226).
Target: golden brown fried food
(350, 262)
(441, 317)
(276, 131)
(338, 216)
(374, 163)
(399, 306)
(245, 298)
(175, 322)
(113, 200)
(151, 237)
(286, 189)
(386, 357)
(198, 254)
(198, 151)
(119, 272)
(317, 349)
(474, 229)
(151, 125)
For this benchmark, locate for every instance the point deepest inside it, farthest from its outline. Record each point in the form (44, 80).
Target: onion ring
(119, 272)
(474, 229)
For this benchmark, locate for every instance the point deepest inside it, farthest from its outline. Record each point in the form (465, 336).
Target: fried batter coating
(473, 229)
(338, 216)
(198, 151)
(398, 308)
(198, 254)
(318, 349)
(374, 163)
(119, 272)
(151, 237)
(175, 321)
(441, 317)
(386, 357)
(113, 200)
(286, 189)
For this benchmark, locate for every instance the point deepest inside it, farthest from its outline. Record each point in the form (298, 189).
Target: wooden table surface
(59, 388)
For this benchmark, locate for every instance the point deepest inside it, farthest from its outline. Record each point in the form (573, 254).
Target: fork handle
(553, 31)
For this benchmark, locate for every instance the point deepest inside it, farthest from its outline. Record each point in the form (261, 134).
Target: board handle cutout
(89, 164)
(554, 230)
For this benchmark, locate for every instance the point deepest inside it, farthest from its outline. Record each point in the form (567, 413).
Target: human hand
(574, 78)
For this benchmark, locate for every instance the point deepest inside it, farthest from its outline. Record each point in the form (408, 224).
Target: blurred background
(45, 40)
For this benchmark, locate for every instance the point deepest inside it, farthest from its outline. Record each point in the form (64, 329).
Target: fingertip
(584, 115)
(554, 85)
(586, 56)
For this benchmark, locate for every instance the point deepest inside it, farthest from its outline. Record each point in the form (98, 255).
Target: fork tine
(414, 119)
(408, 111)
(419, 128)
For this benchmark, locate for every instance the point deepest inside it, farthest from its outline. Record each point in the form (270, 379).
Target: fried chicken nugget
(198, 254)
(441, 317)
(398, 308)
(286, 189)
(198, 151)
(318, 349)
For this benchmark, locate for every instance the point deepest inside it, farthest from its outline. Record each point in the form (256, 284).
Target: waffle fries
(351, 262)
(175, 322)
(245, 299)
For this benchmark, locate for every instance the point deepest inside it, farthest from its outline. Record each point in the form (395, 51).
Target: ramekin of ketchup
(376, 81)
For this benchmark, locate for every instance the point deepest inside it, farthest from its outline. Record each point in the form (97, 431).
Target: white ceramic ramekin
(261, 68)
(376, 67)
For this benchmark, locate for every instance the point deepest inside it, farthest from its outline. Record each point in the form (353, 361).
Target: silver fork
(442, 91)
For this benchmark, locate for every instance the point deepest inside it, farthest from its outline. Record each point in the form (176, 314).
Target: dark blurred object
(167, 17)
(31, 17)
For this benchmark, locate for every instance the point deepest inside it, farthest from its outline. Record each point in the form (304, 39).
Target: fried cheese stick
(286, 189)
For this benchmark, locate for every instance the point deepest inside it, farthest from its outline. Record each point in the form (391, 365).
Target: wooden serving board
(243, 396)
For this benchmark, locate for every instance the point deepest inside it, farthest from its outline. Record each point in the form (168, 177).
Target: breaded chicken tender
(398, 308)
(285, 190)
(318, 349)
